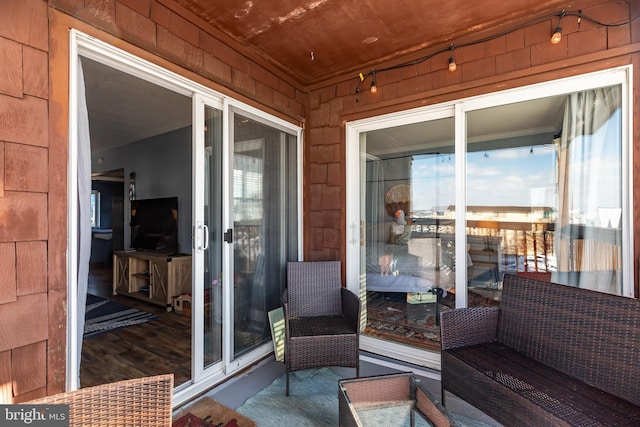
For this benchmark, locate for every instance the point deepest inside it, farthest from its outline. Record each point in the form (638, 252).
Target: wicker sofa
(550, 354)
(136, 402)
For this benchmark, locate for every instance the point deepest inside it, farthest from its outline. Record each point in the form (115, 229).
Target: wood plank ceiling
(314, 41)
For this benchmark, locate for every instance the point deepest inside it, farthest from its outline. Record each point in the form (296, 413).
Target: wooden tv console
(151, 276)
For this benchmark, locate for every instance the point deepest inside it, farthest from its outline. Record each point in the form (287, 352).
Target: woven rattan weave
(550, 354)
(321, 318)
(136, 402)
(387, 392)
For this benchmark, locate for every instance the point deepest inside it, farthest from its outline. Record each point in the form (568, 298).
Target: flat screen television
(154, 224)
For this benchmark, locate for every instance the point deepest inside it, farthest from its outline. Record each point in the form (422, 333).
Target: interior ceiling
(314, 40)
(123, 108)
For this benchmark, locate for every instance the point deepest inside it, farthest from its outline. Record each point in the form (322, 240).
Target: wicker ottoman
(384, 400)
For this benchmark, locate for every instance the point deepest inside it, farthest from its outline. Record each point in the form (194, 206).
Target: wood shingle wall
(24, 186)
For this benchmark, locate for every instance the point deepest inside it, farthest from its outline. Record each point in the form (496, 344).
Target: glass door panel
(544, 193)
(265, 230)
(213, 288)
(408, 216)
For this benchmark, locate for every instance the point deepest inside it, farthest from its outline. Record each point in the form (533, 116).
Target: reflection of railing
(583, 248)
(247, 244)
(526, 246)
(530, 246)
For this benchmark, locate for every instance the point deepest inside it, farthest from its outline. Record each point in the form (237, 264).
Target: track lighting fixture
(452, 61)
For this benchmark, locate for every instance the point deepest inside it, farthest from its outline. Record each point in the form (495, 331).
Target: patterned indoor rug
(103, 315)
(390, 317)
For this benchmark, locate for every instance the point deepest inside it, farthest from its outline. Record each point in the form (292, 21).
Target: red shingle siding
(35, 69)
(6, 394)
(1, 169)
(8, 287)
(24, 140)
(25, 21)
(11, 70)
(184, 29)
(182, 38)
(143, 7)
(24, 216)
(31, 267)
(18, 120)
(138, 24)
(29, 367)
(26, 168)
(24, 322)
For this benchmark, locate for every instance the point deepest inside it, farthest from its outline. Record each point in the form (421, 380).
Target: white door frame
(459, 108)
(87, 46)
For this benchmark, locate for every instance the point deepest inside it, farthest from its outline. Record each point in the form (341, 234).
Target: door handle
(205, 228)
(228, 235)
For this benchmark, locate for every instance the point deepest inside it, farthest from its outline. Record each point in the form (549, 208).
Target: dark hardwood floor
(160, 346)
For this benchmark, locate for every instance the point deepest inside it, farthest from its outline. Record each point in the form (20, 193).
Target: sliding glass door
(264, 231)
(213, 285)
(447, 199)
(546, 202)
(408, 250)
(235, 171)
(246, 229)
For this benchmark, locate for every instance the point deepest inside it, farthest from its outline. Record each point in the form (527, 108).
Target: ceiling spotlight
(557, 35)
(452, 61)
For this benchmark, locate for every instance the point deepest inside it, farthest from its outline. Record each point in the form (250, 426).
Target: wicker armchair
(136, 402)
(321, 318)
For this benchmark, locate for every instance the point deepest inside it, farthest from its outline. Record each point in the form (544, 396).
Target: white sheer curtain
(84, 214)
(376, 215)
(587, 232)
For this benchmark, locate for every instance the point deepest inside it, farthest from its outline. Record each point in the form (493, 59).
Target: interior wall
(163, 169)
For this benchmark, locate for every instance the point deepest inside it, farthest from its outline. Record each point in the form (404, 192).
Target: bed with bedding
(416, 266)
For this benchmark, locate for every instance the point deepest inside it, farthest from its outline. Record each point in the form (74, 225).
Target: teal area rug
(313, 402)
